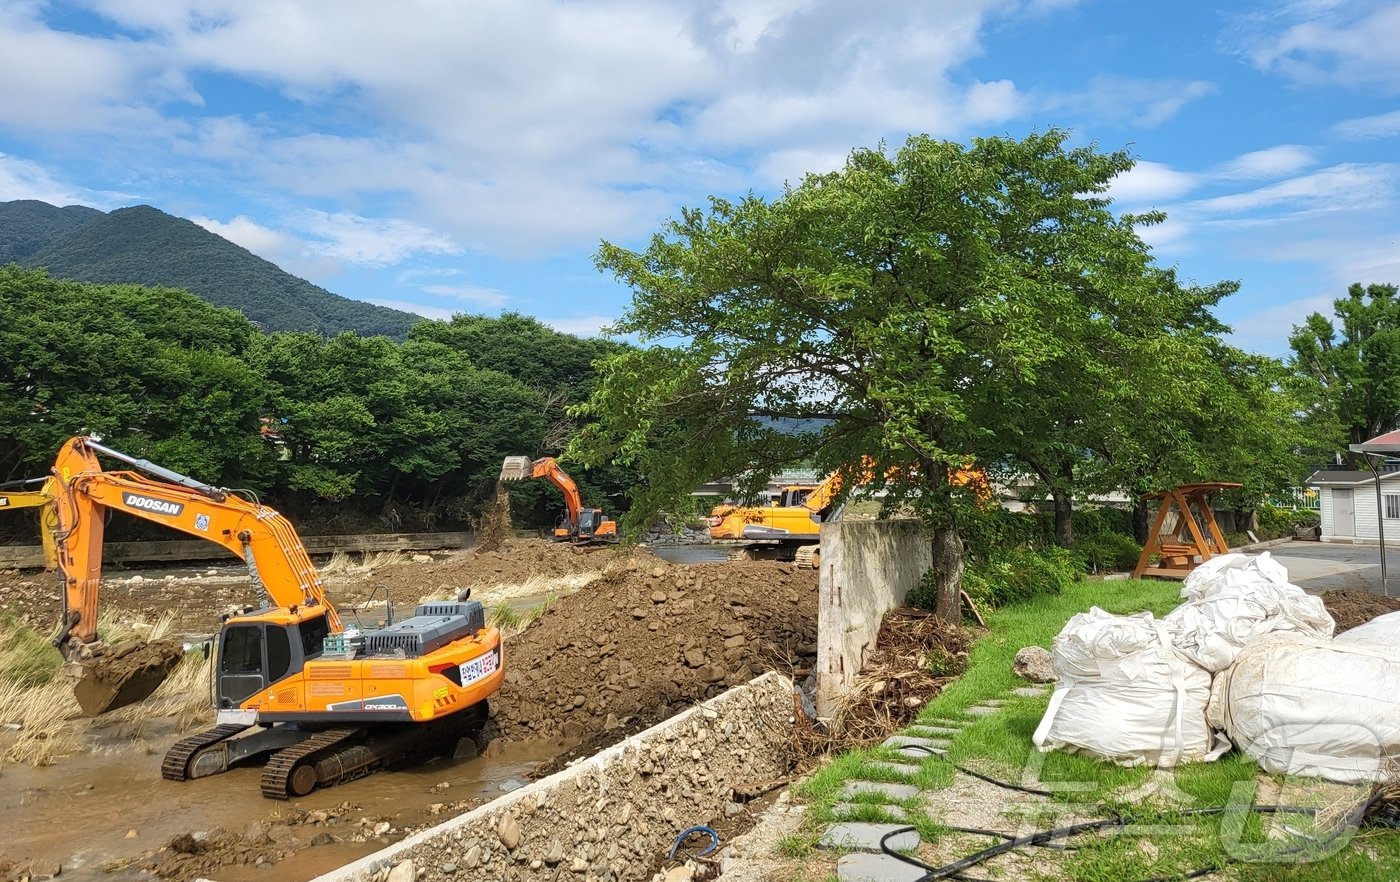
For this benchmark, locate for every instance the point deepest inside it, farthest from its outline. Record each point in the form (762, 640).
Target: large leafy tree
(892, 299)
(1350, 368)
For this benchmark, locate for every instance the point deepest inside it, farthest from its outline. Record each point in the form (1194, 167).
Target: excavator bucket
(125, 675)
(515, 468)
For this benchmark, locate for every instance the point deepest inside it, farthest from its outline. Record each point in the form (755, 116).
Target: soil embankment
(1349, 607)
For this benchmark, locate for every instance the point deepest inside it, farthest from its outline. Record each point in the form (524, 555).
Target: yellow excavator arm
(42, 499)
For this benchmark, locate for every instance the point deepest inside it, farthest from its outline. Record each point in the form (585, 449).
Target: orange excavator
(292, 685)
(578, 524)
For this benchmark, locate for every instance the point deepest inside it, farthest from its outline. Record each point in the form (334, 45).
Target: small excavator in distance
(321, 703)
(14, 498)
(578, 524)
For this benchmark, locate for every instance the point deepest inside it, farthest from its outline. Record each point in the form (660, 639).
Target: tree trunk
(1064, 520)
(948, 571)
(1141, 517)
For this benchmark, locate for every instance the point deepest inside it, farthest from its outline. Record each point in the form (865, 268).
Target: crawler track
(292, 772)
(176, 765)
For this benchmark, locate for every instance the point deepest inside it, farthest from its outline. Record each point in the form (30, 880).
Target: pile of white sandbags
(1135, 690)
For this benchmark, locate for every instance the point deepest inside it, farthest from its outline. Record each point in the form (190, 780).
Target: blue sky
(469, 156)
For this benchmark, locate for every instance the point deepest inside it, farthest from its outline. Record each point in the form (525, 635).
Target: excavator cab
(255, 654)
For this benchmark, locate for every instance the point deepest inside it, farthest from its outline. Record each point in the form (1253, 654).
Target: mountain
(145, 246)
(27, 225)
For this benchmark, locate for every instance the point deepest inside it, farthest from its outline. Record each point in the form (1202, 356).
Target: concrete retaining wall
(613, 815)
(867, 569)
(198, 549)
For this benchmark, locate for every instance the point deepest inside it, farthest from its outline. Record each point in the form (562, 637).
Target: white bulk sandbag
(1124, 693)
(1382, 629)
(1235, 599)
(1303, 706)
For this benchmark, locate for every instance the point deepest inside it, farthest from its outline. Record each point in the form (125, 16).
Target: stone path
(866, 862)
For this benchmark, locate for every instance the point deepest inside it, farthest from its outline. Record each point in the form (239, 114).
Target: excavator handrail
(277, 561)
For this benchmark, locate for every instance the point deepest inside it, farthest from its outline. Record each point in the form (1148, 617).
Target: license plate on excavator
(479, 668)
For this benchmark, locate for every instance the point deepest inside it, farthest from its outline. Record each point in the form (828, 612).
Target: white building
(1349, 505)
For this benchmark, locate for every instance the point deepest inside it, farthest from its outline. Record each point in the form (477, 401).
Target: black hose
(978, 775)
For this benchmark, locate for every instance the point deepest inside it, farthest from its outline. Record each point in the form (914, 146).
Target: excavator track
(807, 557)
(176, 765)
(291, 772)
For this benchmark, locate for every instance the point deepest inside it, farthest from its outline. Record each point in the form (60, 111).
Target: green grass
(27, 658)
(1000, 745)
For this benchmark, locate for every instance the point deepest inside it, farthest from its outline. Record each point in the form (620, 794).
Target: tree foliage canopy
(934, 304)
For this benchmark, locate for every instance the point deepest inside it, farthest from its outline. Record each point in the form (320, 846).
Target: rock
(679, 874)
(132, 834)
(508, 831)
(466, 749)
(422, 558)
(449, 868)
(639, 613)
(323, 839)
(658, 597)
(1033, 663)
(382, 827)
(404, 871)
(136, 580)
(694, 656)
(42, 869)
(735, 642)
(472, 859)
(555, 853)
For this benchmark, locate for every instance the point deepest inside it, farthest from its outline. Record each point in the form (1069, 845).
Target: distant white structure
(1349, 505)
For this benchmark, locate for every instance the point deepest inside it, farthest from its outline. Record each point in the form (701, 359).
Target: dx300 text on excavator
(321, 703)
(579, 523)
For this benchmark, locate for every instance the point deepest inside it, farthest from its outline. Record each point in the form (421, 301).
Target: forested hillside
(27, 225)
(145, 246)
(344, 433)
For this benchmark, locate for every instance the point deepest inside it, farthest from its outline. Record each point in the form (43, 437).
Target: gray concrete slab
(982, 710)
(1327, 566)
(892, 792)
(931, 731)
(876, 868)
(898, 741)
(898, 768)
(1030, 691)
(841, 809)
(859, 836)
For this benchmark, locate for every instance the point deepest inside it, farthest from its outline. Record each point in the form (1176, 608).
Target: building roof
(1386, 443)
(1347, 477)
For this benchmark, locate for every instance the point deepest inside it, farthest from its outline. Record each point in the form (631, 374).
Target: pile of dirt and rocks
(1350, 607)
(517, 561)
(650, 639)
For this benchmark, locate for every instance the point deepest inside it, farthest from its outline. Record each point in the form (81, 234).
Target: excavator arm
(42, 499)
(280, 568)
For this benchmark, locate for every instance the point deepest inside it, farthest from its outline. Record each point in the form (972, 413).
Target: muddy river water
(83, 811)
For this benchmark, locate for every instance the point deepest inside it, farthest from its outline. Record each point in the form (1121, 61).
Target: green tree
(1350, 369)
(893, 299)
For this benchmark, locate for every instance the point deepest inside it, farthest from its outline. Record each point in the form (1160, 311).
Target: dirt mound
(517, 561)
(1350, 607)
(650, 639)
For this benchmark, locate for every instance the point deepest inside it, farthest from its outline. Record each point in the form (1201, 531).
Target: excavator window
(242, 652)
(279, 653)
(587, 522)
(313, 636)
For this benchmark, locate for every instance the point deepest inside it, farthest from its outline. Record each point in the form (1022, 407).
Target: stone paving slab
(900, 768)
(860, 836)
(905, 740)
(982, 710)
(846, 808)
(875, 868)
(891, 791)
(931, 731)
(1029, 691)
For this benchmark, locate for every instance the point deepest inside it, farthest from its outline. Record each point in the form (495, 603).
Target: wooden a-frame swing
(1196, 535)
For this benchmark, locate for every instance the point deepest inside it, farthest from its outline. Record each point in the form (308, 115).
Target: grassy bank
(999, 745)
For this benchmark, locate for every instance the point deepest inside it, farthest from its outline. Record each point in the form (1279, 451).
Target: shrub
(1010, 576)
(1108, 552)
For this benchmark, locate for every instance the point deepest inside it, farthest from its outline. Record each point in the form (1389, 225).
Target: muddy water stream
(79, 811)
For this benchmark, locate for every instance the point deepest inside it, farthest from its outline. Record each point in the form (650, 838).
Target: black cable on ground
(978, 775)
(955, 869)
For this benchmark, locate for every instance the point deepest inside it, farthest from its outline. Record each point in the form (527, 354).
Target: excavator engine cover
(432, 626)
(516, 468)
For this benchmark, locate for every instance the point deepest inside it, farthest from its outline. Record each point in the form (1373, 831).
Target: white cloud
(1348, 44)
(1150, 182)
(1285, 159)
(25, 179)
(1142, 102)
(1382, 125)
(469, 293)
(1348, 186)
(262, 241)
(581, 326)
(437, 313)
(368, 241)
(1267, 330)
